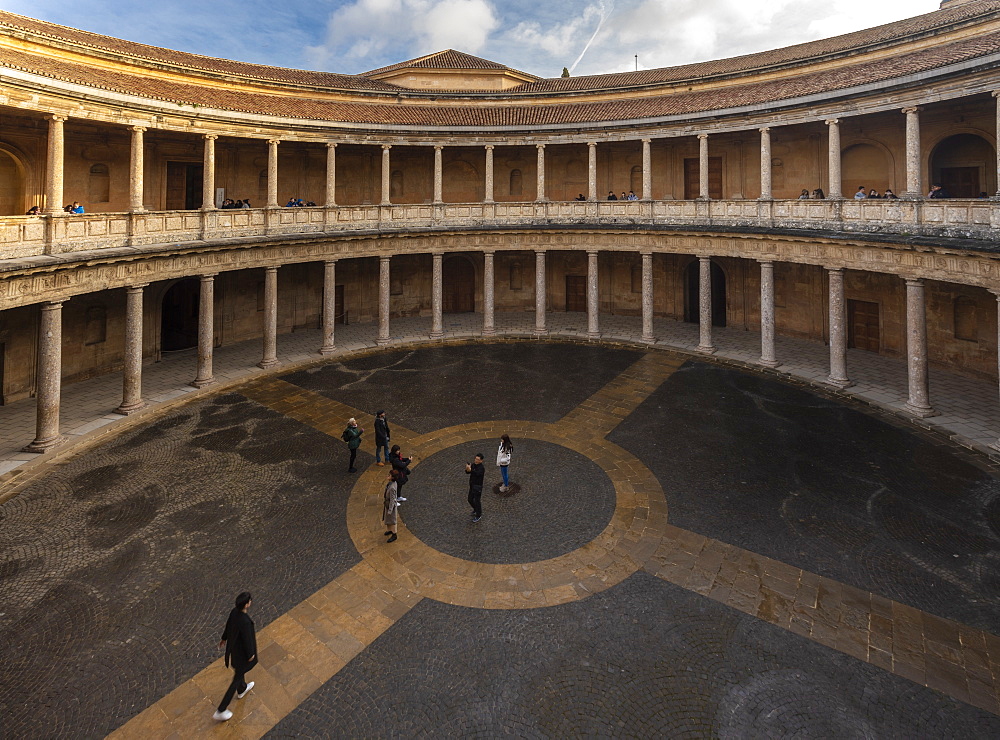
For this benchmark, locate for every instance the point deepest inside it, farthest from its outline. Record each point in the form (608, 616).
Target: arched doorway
(11, 186)
(179, 316)
(865, 165)
(964, 164)
(692, 293)
(458, 291)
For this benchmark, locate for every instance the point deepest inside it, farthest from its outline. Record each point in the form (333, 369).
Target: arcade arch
(964, 164)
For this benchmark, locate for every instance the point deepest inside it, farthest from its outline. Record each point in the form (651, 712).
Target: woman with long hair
(503, 461)
(390, 505)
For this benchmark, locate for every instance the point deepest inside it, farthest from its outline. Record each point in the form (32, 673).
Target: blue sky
(537, 36)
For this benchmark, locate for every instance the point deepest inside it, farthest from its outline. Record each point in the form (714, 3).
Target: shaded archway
(964, 164)
(459, 285)
(11, 186)
(179, 316)
(865, 165)
(692, 294)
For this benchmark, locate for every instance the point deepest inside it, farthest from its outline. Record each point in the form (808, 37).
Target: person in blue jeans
(381, 438)
(503, 461)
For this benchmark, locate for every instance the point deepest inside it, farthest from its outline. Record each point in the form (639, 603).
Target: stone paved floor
(695, 550)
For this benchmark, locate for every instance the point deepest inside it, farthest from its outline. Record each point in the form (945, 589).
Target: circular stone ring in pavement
(632, 535)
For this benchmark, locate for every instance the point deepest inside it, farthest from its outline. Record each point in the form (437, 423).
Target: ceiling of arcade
(60, 281)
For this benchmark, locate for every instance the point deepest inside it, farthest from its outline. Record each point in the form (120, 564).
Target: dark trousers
(354, 455)
(238, 686)
(476, 499)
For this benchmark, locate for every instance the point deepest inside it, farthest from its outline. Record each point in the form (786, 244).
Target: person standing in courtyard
(240, 641)
(352, 436)
(381, 438)
(503, 461)
(402, 466)
(390, 505)
(476, 471)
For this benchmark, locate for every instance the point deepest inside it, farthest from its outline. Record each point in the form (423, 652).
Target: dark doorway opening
(184, 181)
(576, 292)
(3, 359)
(692, 178)
(960, 182)
(459, 286)
(179, 316)
(965, 165)
(863, 325)
(692, 312)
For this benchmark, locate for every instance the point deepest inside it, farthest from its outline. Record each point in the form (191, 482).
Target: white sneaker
(246, 690)
(400, 498)
(222, 716)
(503, 489)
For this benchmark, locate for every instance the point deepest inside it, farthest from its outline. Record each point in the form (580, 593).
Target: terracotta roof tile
(447, 59)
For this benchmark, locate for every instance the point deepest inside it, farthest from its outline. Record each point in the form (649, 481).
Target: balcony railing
(31, 236)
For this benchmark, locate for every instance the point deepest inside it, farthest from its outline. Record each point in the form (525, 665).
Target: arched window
(97, 325)
(515, 183)
(966, 322)
(99, 188)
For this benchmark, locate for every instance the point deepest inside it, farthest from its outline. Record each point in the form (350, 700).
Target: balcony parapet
(33, 236)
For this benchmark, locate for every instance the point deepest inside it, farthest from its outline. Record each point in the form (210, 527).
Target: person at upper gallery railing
(861, 194)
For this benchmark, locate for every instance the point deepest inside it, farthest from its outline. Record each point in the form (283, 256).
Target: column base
(839, 382)
(648, 339)
(705, 349)
(491, 332)
(268, 364)
(382, 342)
(911, 196)
(436, 334)
(131, 408)
(593, 335)
(196, 383)
(769, 363)
(540, 332)
(921, 412)
(328, 349)
(44, 445)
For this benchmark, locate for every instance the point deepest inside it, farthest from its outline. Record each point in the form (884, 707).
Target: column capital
(765, 261)
(591, 143)
(593, 252)
(138, 129)
(271, 268)
(489, 252)
(384, 257)
(646, 253)
(208, 276)
(136, 286)
(995, 93)
(57, 118)
(330, 262)
(211, 137)
(765, 129)
(53, 305)
(915, 282)
(438, 147)
(702, 136)
(331, 145)
(647, 140)
(539, 146)
(541, 252)
(833, 269)
(490, 147)
(274, 142)
(911, 109)
(831, 121)
(386, 147)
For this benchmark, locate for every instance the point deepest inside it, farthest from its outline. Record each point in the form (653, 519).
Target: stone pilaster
(703, 190)
(386, 175)
(996, 95)
(647, 170)
(767, 353)
(48, 379)
(705, 306)
(540, 174)
(918, 399)
(135, 171)
(765, 164)
(331, 174)
(914, 186)
(838, 330)
(329, 307)
(383, 300)
(206, 331)
(489, 174)
(270, 354)
(54, 166)
(437, 302)
(593, 299)
(540, 292)
(132, 372)
(208, 174)
(996, 445)
(438, 175)
(489, 295)
(591, 170)
(272, 172)
(647, 298)
(833, 188)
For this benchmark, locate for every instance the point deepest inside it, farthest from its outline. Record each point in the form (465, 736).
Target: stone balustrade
(31, 236)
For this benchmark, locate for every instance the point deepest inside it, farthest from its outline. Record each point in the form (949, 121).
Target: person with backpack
(352, 436)
(402, 465)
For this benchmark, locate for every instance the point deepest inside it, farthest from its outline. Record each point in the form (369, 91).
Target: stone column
(593, 330)
(838, 330)
(48, 379)
(386, 174)
(489, 174)
(270, 356)
(914, 187)
(703, 167)
(918, 400)
(206, 331)
(438, 175)
(705, 305)
(647, 170)
(54, 166)
(208, 174)
(591, 170)
(540, 292)
(647, 297)
(996, 445)
(272, 173)
(331, 174)
(135, 171)
(437, 284)
(833, 159)
(329, 306)
(383, 300)
(540, 174)
(132, 375)
(765, 164)
(489, 293)
(996, 94)
(767, 354)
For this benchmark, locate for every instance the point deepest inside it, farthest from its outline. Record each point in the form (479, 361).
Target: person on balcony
(874, 194)
(889, 195)
(611, 195)
(938, 192)
(632, 195)
(860, 195)
(804, 195)
(818, 194)
(34, 211)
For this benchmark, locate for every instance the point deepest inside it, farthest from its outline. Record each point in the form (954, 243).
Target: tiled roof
(505, 112)
(447, 59)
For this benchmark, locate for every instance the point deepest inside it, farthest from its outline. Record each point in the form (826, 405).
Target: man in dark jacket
(381, 438)
(240, 641)
(475, 470)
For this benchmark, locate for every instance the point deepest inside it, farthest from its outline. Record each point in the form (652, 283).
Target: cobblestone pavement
(794, 590)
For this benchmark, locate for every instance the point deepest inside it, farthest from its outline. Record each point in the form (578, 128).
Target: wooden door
(458, 293)
(576, 292)
(961, 182)
(184, 183)
(692, 178)
(862, 325)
